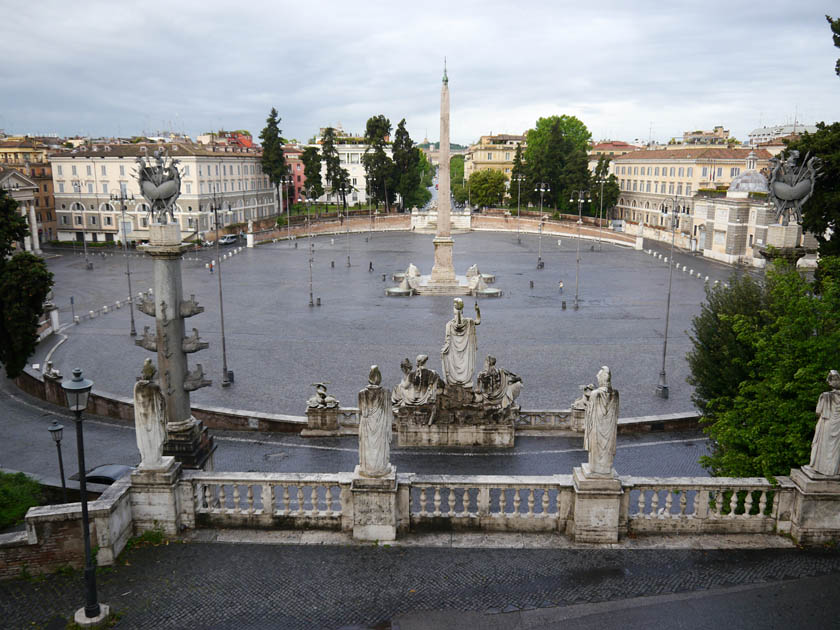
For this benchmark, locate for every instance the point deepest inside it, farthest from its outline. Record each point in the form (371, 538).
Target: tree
(760, 358)
(835, 29)
(311, 159)
(516, 172)
(456, 178)
(273, 160)
(338, 179)
(406, 166)
(610, 187)
(821, 213)
(378, 166)
(487, 187)
(556, 155)
(24, 285)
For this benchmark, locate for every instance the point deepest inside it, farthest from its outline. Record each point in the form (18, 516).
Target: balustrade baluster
(222, 499)
(287, 501)
(669, 500)
(748, 503)
(641, 504)
(502, 502)
(718, 511)
(267, 500)
(762, 503)
(683, 501)
(315, 498)
(531, 503)
(250, 499)
(207, 498)
(545, 503)
(423, 502)
(733, 504)
(483, 501)
(654, 503)
(517, 501)
(437, 501)
(301, 511)
(236, 509)
(329, 498)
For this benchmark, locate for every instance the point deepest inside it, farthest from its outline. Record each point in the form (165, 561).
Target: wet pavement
(277, 345)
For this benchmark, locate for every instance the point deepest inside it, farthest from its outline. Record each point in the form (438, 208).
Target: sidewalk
(225, 585)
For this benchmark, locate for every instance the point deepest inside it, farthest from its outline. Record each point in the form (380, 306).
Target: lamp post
(541, 188)
(518, 179)
(290, 181)
(311, 249)
(662, 386)
(582, 195)
(601, 180)
(225, 373)
(88, 264)
(370, 210)
(122, 198)
(56, 430)
(77, 391)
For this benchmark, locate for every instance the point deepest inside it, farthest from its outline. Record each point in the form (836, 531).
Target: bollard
(207, 265)
(332, 264)
(383, 277)
(532, 284)
(666, 259)
(318, 301)
(75, 319)
(91, 314)
(564, 305)
(691, 272)
(105, 309)
(118, 305)
(332, 241)
(370, 266)
(295, 244)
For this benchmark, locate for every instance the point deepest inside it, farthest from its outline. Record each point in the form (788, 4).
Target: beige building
(23, 190)
(492, 153)
(30, 157)
(87, 179)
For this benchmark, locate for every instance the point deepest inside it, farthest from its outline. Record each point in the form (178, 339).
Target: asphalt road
(278, 346)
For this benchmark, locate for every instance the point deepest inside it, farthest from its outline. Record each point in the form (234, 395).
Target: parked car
(105, 474)
(227, 239)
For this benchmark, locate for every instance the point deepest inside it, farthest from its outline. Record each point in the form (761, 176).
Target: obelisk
(443, 273)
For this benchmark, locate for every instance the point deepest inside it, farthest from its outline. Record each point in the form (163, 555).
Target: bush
(18, 493)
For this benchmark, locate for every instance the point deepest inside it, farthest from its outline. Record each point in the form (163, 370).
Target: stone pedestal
(191, 444)
(155, 502)
(52, 311)
(815, 517)
(578, 417)
(597, 506)
(782, 236)
(100, 621)
(249, 240)
(640, 242)
(321, 422)
(455, 435)
(443, 272)
(374, 506)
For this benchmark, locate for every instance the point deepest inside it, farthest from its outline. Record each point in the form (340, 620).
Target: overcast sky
(627, 69)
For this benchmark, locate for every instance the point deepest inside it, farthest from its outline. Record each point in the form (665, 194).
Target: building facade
(492, 153)
(30, 157)
(89, 181)
(767, 134)
(23, 190)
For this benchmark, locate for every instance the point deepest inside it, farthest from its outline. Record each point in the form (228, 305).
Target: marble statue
(425, 383)
(825, 449)
(149, 418)
(375, 422)
(459, 347)
(601, 424)
(790, 187)
(321, 400)
(497, 387)
(412, 271)
(160, 185)
(250, 226)
(402, 392)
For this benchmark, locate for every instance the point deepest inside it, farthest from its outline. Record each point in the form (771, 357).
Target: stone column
(443, 271)
(33, 229)
(187, 438)
(27, 241)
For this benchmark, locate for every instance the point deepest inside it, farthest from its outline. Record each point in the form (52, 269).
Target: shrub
(18, 493)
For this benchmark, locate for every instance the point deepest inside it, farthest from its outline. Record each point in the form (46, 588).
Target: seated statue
(425, 383)
(402, 392)
(473, 271)
(497, 387)
(321, 400)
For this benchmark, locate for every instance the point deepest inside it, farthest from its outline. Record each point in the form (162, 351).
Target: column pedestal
(155, 502)
(321, 422)
(374, 506)
(597, 506)
(249, 240)
(443, 271)
(815, 517)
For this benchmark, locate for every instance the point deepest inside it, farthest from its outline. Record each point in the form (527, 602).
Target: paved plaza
(243, 586)
(277, 345)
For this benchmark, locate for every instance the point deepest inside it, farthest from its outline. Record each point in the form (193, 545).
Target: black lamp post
(226, 379)
(56, 430)
(541, 188)
(77, 391)
(122, 197)
(662, 386)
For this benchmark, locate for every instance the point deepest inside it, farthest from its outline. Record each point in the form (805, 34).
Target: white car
(227, 239)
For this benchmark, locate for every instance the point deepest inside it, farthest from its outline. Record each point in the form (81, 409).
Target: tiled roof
(697, 153)
(143, 149)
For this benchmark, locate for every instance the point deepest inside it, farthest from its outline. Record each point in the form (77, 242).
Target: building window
(720, 172)
(104, 189)
(103, 170)
(59, 170)
(656, 171)
(705, 172)
(64, 219)
(73, 169)
(189, 188)
(507, 156)
(734, 171)
(635, 184)
(122, 170)
(60, 186)
(648, 186)
(489, 156)
(93, 220)
(690, 171)
(186, 171)
(123, 191)
(679, 189)
(688, 190)
(681, 171)
(217, 170)
(107, 220)
(78, 220)
(88, 170)
(672, 171)
(671, 188)
(90, 189)
(144, 222)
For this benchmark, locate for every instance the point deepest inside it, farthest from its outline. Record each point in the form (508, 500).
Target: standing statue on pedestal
(601, 425)
(375, 422)
(825, 449)
(149, 418)
(459, 347)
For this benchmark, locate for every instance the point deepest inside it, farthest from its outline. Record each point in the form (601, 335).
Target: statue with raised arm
(149, 417)
(825, 449)
(601, 425)
(459, 347)
(375, 421)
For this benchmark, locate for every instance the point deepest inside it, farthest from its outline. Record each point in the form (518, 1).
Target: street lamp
(77, 391)
(56, 430)
(662, 387)
(601, 180)
(122, 198)
(78, 186)
(518, 179)
(541, 188)
(226, 380)
(311, 249)
(290, 180)
(582, 195)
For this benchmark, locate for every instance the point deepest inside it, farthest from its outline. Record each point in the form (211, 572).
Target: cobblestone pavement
(277, 345)
(217, 585)
(27, 446)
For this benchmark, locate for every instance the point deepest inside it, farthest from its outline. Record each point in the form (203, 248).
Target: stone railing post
(321, 422)
(815, 514)
(597, 507)
(155, 497)
(374, 506)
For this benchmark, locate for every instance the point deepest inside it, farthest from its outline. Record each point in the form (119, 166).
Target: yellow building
(492, 153)
(30, 157)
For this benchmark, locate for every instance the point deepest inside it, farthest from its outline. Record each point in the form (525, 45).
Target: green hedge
(18, 493)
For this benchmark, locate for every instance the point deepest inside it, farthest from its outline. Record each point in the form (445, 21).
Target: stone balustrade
(545, 419)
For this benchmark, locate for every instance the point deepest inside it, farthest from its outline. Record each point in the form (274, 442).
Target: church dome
(749, 181)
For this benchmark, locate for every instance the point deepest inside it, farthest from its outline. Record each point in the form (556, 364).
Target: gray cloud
(105, 68)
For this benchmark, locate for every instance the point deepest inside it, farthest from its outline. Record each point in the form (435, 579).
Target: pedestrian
(560, 285)
(370, 266)
(211, 266)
